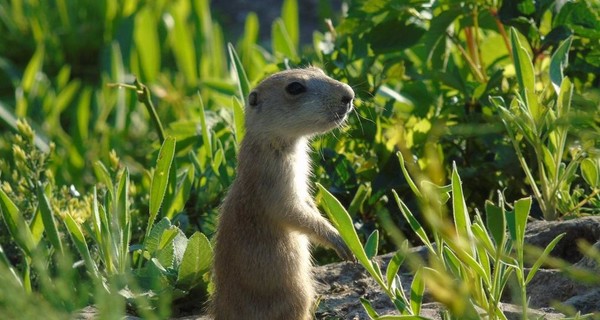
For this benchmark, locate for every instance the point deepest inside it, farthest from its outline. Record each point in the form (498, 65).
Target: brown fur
(262, 267)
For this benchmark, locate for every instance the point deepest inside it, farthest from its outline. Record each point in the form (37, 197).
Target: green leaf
(416, 292)
(413, 222)
(496, 222)
(33, 68)
(238, 119)
(81, 245)
(160, 179)
(145, 37)
(558, 63)
(103, 175)
(522, 208)
(152, 241)
(525, 76)
(590, 172)
(6, 263)
(242, 79)
(281, 42)
(289, 15)
(393, 267)
(16, 224)
(459, 207)
(182, 42)
(368, 308)
(372, 244)
(196, 261)
(361, 195)
(124, 219)
(411, 183)
(48, 219)
(343, 223)
(538, 263)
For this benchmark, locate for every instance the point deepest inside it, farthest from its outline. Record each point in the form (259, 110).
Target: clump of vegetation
(118, 148)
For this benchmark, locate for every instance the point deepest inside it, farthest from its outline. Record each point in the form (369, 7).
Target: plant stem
(143, 95)
(470, 62)
(584, 201)
(500, 26)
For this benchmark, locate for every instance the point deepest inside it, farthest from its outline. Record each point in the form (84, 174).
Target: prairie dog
(262, 265)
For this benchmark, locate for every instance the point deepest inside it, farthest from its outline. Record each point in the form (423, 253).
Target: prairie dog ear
(253, 99)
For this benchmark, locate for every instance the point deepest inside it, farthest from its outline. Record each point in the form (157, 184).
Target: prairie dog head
(299, 102)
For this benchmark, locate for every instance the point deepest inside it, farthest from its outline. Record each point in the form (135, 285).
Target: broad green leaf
(152, 240)
(538, 263)
(372, 244)
(81, 245)
(242, 79)
(147, 43)
(413, 222)
(48, 219)
(196, 261)
(171, 248)
(496, 223)
(160, 179)
(16, 224)
(404, 317)
(281, 42)
(289, 15)
(558, 63)
(416, 292)
(525, 76)
(343, 223)
(522, 208)
(238, 119)
(368, 308)
(591, 172)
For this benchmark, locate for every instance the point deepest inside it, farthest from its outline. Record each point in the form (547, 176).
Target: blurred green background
(426, 75)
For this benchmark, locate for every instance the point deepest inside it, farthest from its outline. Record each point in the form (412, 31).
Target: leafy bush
(80, 186)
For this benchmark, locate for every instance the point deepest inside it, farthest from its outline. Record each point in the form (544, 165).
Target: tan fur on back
(262, 266)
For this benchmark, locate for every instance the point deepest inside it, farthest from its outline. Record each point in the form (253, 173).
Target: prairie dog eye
(295, 88)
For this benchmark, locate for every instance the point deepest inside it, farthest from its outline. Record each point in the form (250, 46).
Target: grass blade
(48, 220)
(238, 68)
(538, 263)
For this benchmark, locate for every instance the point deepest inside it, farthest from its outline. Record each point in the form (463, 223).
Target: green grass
(122, 121)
